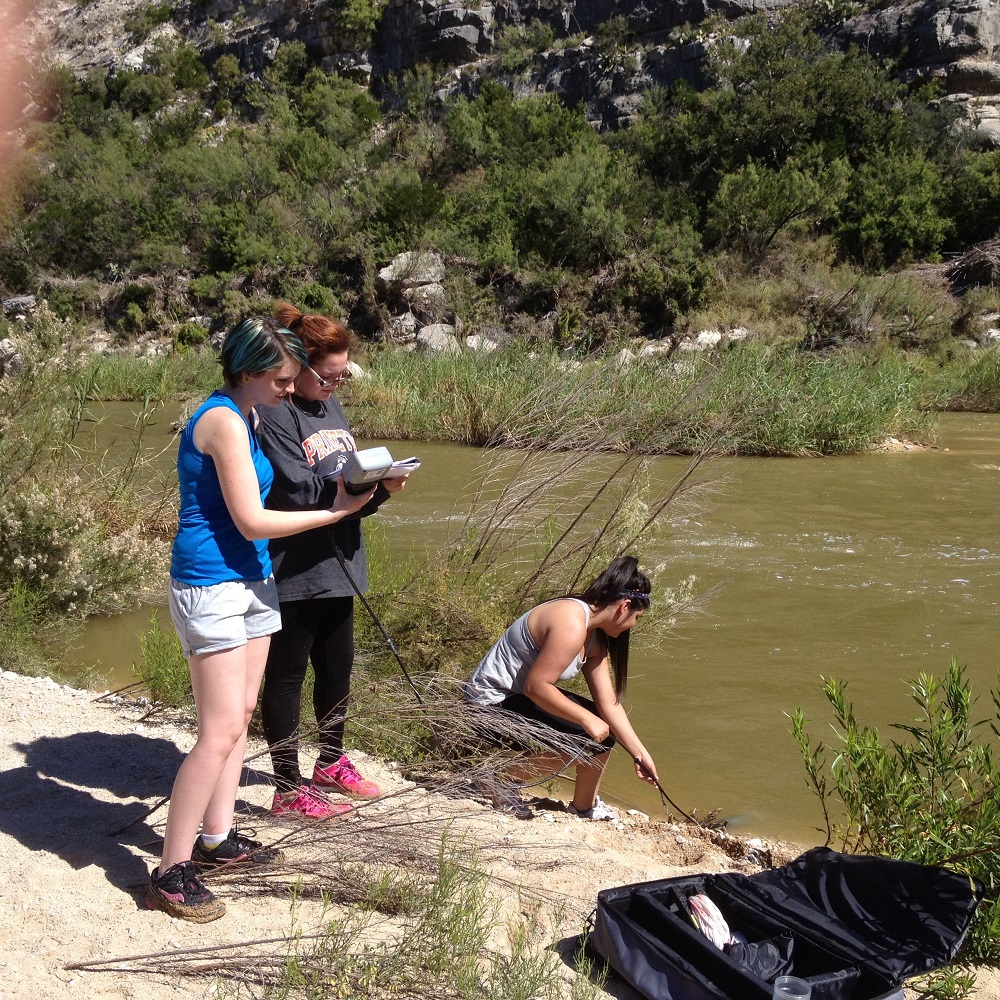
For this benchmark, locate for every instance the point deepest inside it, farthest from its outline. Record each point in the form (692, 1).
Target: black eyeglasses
(344, 376)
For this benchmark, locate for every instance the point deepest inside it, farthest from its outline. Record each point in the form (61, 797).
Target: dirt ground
(74, 770)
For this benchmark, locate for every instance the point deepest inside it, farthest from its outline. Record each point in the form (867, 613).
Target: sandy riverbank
(74, 769)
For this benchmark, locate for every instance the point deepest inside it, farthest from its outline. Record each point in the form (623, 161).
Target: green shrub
(227, 74)
(163, 670)
(187, 335)
(148, 17)
(973, 195)
(826, 14)
(51, 542)
(73, 301)
(496, 129)
(572, 210)
(134, 319)
(143, 93)
(931, 796)
(613, 35)
(516, 45)
(778, 92)
(358, 19)
(188, 70)
(893, 211)
(31, 637)
(756, 204)
(291, 63)
(663, 280)
(315, 298)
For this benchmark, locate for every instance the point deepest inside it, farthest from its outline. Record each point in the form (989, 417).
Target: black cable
(663, 795)
(375, 619)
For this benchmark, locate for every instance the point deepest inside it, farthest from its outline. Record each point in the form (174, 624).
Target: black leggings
(320, 629)
(521, 704)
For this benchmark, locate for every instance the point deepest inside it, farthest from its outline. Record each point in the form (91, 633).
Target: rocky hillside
(603, 54)
(204, 158)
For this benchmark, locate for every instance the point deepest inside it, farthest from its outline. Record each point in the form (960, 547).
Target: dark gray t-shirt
(307, 442)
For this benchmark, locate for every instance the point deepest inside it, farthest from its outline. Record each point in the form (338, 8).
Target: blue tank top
(209, 548)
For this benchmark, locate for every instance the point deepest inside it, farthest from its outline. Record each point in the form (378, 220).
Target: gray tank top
(502, 671)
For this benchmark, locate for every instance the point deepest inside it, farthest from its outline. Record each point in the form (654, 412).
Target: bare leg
(210, 774)
(589, 773)
(219, 814)
(588, 781)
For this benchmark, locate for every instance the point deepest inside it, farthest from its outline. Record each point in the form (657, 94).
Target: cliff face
(955, 41)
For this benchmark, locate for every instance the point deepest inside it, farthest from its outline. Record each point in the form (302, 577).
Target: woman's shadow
(49, 805)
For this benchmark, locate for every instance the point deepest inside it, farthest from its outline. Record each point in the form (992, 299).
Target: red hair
(319, 335)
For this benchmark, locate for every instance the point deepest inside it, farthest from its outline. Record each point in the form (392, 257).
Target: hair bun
(287, 315)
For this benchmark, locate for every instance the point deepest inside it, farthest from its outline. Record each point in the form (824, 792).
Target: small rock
(11, 362)
(19, 305)
(704, 340)
(401, 329)
(411, 268)
(475, 342)
(654, 347)
(438, 337)
(426, 300)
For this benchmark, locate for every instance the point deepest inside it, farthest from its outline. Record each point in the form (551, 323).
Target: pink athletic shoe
(342, 776)
(309, 803)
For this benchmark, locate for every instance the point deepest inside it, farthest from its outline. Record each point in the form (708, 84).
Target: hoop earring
(246, 379)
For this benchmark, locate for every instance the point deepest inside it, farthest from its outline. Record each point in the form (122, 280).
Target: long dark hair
(622, 579)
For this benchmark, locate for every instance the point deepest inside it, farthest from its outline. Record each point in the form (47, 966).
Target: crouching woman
(584, 633)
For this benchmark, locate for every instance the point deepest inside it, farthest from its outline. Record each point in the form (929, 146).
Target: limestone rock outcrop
(954, 41)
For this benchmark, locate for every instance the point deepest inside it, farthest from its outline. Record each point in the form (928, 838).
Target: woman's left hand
(395, 484)
(645, 768)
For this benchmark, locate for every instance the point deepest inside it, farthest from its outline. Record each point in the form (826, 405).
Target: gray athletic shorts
(223, 615)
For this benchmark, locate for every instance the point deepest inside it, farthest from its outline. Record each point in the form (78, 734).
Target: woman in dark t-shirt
(307, 439)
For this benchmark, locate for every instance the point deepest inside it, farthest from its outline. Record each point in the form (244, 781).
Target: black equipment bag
(853, 926)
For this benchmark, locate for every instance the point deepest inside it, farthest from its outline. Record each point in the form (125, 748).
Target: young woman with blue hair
(224, 605)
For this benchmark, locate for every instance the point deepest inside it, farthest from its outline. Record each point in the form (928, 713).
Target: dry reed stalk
(567, 495)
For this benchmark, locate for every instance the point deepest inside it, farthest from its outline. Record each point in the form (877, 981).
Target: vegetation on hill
(187, 188)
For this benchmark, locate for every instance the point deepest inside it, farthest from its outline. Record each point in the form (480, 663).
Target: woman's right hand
(596, 728)
(348, 503)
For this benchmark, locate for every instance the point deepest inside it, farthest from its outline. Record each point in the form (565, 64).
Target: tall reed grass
(767, 400)
(969, 382)
(751, 399)
(173, 376)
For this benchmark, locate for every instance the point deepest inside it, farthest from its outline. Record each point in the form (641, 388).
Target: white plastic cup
(791, 988)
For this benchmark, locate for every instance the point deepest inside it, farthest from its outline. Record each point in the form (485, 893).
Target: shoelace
(192, 887)
(189, 883)
(245, 843)
(348, 768)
